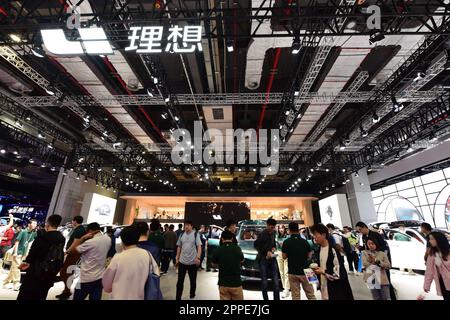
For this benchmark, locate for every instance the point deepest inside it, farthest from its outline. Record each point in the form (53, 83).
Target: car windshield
(251, 233)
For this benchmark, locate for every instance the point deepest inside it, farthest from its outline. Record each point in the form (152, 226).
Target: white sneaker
(285, 294)
(7, 286)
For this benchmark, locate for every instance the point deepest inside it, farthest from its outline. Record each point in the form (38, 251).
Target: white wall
(334, 209)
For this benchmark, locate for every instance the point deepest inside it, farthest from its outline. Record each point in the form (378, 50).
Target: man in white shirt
(128, 271)
(93, 247)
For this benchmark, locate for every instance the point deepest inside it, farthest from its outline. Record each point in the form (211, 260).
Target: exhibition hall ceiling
(102, 88)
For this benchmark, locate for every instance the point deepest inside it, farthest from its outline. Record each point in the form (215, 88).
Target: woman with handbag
(438, 265)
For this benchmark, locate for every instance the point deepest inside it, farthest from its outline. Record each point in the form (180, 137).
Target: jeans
(166, 256)
(269, 269)
(352, 260)
(93, 289)
(382, 293)
(192, 271)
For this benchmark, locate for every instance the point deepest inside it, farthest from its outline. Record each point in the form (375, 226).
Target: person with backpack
(352, 258)
(341, 244)
(43, 262)
(146, 244)
(189, 252)
(93, 248)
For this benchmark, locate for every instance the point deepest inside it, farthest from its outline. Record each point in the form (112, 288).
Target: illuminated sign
(147, 39)
(93, 41)
(179, 40)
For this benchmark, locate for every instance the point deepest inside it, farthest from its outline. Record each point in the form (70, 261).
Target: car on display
(212, 244)
(247, 232)
(406, 243)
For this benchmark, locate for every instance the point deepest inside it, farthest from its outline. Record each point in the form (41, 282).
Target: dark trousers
(166, 256)
(352, 260)
(71, 259)
(269, 269)
(192, 271)
(92, 289)
(445, 293)
(202, 257)
(34, 287)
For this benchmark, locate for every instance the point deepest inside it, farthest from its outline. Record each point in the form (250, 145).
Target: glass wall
(426, 197)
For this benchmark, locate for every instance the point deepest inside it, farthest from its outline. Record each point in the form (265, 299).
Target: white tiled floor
(408, 287)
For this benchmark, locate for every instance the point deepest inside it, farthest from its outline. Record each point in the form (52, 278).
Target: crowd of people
(284, 255)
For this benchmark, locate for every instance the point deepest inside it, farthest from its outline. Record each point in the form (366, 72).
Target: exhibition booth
(217, 209)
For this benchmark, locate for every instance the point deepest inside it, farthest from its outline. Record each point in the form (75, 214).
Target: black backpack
(52, 263)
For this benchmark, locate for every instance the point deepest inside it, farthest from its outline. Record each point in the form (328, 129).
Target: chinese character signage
(178, 39)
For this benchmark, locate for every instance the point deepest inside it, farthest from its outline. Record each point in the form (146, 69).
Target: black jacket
(40, 248)
(264, 243)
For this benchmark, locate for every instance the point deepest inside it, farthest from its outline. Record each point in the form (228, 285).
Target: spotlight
(397, 107)
(150, 93)
(167, 99)
(419, 76)
(38, 51)
(14, 37)
(50, 90)
(31, 160)
(342, 146)
(2, 150)
(78, 176)
(43, 165)
(176, 118)
(296, 45)
(53, 169)
(327, 170)
(375, 118)
(164, 115)
(155, 80)
(18, 123)
(230, 46)
(397, 156)
(356, 174)
(364, 133)
(296, 93)
(287, 112)
(375, 36)
(343, 170)
(41, 136)
(410, 148)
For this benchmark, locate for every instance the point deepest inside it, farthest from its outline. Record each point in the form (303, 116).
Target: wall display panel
(98, 208)
(216, 213)
(334, 209)
(428, 200)
(432, 177)
(435, 186)
(408, 193)
(408, 184)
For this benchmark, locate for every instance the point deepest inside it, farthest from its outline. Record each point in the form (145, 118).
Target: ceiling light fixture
(230, 46)
(375, 118)
(296, 45)
(38, 51)
(15, 37)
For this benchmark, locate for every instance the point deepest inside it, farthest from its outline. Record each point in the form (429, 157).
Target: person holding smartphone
(375, 263)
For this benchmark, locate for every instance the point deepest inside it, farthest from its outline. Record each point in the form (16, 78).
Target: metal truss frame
(432, 117)
(332, 16)
(224, 98)
(17, 62)
(9, 105)
(34, 147)
(354, 87)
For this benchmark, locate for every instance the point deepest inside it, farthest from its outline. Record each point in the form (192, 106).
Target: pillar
(360, 199)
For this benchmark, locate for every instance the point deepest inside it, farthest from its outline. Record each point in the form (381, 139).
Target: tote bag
(152, 286)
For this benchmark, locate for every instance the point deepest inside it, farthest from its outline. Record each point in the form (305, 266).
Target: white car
(407, 248)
